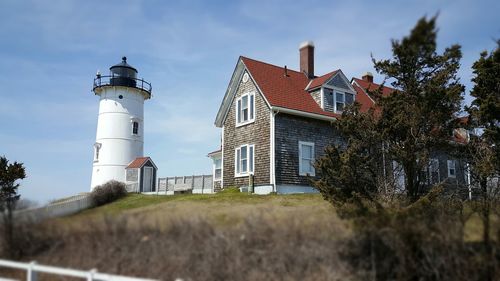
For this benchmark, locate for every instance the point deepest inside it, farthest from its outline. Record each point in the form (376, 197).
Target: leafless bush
(423, 241)
(29, 239)
(108, 192)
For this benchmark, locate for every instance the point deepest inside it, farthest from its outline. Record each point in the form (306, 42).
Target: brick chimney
(368, 77)
(306, 50)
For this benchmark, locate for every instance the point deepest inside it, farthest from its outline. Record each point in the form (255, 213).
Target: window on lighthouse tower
(135, 128)
(97, 148)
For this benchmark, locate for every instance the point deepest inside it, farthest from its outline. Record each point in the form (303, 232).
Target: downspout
(272, 151)
(221, 162)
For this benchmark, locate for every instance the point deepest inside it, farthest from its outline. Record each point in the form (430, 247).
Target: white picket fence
(57, 209)
(92, 275)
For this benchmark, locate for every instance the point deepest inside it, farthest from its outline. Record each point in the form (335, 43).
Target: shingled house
(276, 121)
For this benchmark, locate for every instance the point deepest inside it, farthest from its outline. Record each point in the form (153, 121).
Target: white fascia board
(232, 88)
(344, 78)
(229, 96)
(215, 155)
(303, 113)
(257, 86)
(342, 75)
(153, 163)
(222, 160)
(362, 89)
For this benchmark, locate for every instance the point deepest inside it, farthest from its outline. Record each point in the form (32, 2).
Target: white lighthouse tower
(120, 125)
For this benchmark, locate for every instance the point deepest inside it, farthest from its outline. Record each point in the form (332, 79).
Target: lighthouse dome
(123, 74)
(123, 69)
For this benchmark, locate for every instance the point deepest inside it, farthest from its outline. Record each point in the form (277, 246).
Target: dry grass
(208, 237)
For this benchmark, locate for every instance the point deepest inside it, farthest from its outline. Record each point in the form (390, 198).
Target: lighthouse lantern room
(120, 125)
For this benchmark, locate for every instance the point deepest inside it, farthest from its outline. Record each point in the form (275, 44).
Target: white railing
(58, 209)
(92, 275)
(196, 184)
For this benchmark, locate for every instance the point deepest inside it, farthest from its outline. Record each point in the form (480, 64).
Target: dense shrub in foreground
(108, 192)
(425, 240)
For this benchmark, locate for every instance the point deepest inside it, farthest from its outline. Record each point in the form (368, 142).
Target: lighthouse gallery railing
(114, 80)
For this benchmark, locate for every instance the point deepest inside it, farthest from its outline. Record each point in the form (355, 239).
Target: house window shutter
(252, 104)
(251, 159)
(452, 172)
(349, 98)
(238, 111)
(339, 98)
(244, 159)
(434, 171)
(238, 159)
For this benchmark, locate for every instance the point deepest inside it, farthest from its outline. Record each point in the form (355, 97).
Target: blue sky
(51, 50)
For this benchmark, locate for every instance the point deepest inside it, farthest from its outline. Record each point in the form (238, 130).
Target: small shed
(141, 175)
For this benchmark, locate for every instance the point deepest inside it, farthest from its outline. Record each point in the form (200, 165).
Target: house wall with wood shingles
(289, 130)
(256, 133)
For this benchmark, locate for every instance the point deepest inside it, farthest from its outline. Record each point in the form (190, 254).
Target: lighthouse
(120, 124)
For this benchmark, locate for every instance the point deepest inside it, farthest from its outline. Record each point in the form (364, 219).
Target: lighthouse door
(147, 180)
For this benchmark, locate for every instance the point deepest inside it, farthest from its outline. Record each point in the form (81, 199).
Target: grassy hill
(222, 209)
(224, 236)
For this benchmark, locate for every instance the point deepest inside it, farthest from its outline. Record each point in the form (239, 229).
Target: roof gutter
(302, 113)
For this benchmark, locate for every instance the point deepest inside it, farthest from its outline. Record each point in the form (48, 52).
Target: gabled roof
(139, 162)
(319, 81)
(287, 91)
(363, 99)
(283, 89)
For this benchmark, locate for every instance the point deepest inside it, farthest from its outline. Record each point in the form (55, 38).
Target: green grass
(229, 208)
(199, 204)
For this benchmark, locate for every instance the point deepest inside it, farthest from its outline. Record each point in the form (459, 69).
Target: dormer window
(342, 100)
(245, 109)
(339, 101)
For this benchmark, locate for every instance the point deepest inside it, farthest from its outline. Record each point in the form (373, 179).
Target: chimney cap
(368, 73)
(306, 44)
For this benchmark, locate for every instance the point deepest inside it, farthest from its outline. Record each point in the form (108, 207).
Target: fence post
(202, 183)
(92, 272)
(31, 274)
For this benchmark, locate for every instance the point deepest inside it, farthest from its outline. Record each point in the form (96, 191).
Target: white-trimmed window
(244, 160)
(430, 172)
(452, 172)
(245, 109)
(343, 99)
(306, 158)
(217, 169)
(97, 148)
(434, 171)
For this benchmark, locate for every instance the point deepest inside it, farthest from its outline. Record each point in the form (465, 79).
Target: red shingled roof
(373, 86)
(138, 162)
(363, 98)
(282, 90)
